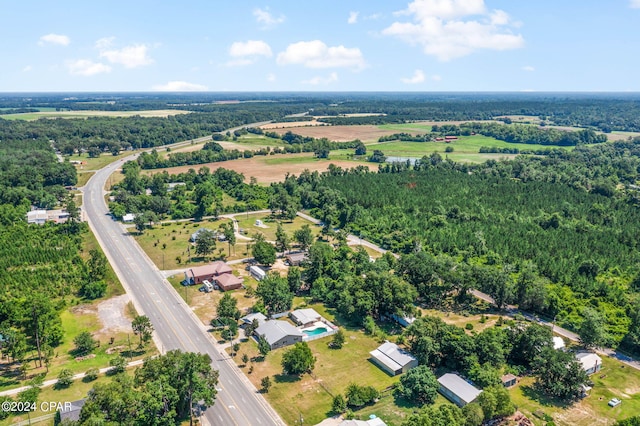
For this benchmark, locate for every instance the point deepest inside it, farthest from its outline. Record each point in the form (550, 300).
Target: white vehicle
(614, 402)
(207, 287)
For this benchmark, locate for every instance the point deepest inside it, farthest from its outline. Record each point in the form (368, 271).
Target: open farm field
(421, 126)
(622, 136)
(84, 114)
(288, 124)
(366, 133)
(466, 144)
(244, 142)
(268, 169)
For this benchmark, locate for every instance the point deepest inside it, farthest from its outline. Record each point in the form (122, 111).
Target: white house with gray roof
(458, 390)
(279, 333)
(392, 359)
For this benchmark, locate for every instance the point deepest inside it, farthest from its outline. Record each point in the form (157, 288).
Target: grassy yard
(204, 304)
(175, 236)
(248, 224)
(83, 177)
(93, 164)
(311, 395)
(615, 380)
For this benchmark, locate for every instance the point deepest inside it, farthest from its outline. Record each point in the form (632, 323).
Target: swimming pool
(315, 331)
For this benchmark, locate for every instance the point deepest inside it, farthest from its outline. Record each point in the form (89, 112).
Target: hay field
(268, 169)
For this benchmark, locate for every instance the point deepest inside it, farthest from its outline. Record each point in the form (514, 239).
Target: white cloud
(417, 77)
(86, 67)
(264, 17)
(353, 18)
(634, 4)
(316, 54)
(250, 48)
(528, 68)
(133, 56)
(104, 43)
(241, 62)
(271, 77)
(179, 86)
(318, 80)
(27, 68)
(439, 26)
(58, 39)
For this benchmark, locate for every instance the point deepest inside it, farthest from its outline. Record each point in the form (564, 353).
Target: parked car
(614, 402)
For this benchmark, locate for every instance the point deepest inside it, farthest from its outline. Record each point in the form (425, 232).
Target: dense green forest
(112, 134)
(41, 267)
(553, 235)
(605, 112)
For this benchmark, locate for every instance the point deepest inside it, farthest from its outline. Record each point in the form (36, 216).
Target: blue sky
(358, 45)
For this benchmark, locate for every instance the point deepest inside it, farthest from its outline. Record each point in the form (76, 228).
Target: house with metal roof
(591, 363)
(458, 390)
(392, 359)
(258, 316)
(305, 317)
(279, 333)
(71, 411)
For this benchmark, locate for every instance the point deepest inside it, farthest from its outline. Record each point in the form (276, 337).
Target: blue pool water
(315, 331)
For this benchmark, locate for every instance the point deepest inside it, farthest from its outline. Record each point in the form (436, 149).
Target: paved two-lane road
(176, 327)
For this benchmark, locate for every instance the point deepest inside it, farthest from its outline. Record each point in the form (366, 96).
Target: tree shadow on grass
(129, 354)
(538, 396)
(286, 378)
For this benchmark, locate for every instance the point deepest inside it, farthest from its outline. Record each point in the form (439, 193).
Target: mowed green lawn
(247, 222)
(310, 396)
(464, 145)
(615, 380)
(164, 243)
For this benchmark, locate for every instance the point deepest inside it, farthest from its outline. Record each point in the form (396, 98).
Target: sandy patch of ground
(580, 415)
(264, 172)
(112, 315)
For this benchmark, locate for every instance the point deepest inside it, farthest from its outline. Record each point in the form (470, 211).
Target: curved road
(176, 326)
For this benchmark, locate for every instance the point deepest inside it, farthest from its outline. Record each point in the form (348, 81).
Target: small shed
(295, 259)
(457, 390)
(128, 218)
(509, 380)
(257, 272)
